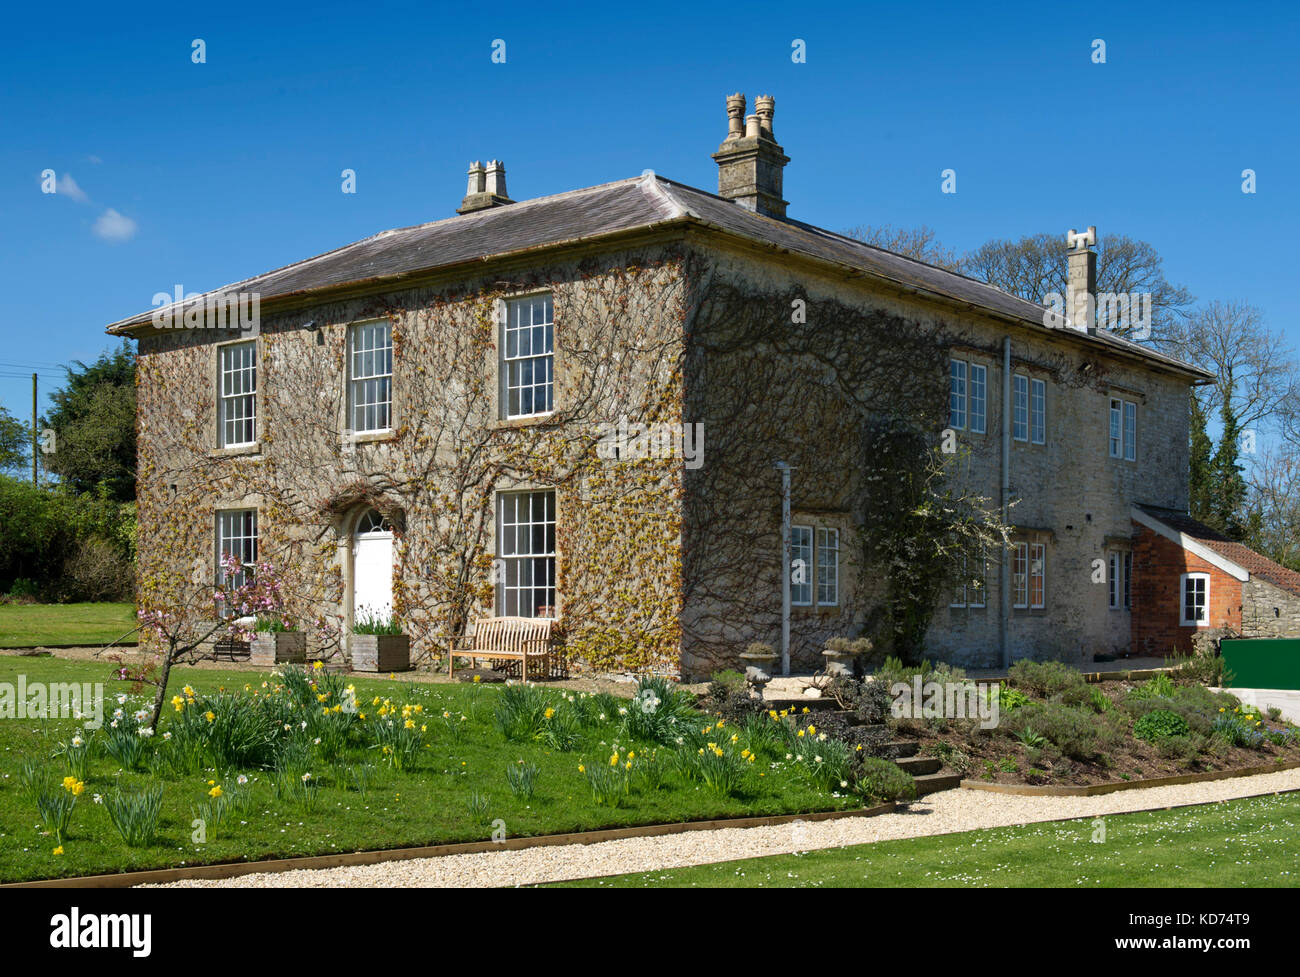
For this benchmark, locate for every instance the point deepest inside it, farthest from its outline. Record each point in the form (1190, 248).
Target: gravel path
(942, 813)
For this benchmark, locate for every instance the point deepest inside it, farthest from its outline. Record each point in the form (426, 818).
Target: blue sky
(202, 174)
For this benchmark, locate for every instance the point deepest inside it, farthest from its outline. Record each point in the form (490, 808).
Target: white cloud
(68, 187)
(112, 226)
(94, 159)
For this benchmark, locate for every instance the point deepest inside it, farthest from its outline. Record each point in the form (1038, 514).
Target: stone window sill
(514, 423)
(236, 451)
(370, 437)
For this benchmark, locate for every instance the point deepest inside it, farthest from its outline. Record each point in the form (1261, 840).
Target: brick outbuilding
(1187, 577)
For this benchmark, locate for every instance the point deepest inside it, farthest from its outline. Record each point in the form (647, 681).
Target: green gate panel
(1262, 663)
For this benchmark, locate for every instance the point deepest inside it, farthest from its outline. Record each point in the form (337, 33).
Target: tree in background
(1201, 457)
(15, 444)
(1227, 488)
(93, 419)
(1036, 265)
(920, 243)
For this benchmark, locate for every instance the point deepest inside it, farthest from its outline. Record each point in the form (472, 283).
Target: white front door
(372, 568)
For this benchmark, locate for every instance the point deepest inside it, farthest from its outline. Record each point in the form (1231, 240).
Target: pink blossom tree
(248, 593)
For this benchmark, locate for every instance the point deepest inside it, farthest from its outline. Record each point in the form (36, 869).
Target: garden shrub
(1200, 669)
(1197, 717)
(97, 570)
(1160, 724)
(1010, 699)
(1050, 680)
(869, 701)
(879, 781)
(893, 670)
(1075, 732)
(952, 756)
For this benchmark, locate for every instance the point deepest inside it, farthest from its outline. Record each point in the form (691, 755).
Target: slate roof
(1256, 564)
(611, 208)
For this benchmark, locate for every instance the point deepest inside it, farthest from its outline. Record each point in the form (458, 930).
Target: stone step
(932, 783)
(901, 748)
(920, 765)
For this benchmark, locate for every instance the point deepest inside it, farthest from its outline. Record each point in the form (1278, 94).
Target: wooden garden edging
(228, 870)
(1092, 790)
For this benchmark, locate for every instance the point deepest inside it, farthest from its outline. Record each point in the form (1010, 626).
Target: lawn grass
(427, 805)
(1247, 842)
(29, 625)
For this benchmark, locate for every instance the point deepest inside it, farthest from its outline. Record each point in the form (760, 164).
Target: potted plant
(275, 641)
(377, 644)
(840, 654)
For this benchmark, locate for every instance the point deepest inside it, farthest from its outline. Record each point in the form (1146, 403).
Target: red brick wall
(1158, 565)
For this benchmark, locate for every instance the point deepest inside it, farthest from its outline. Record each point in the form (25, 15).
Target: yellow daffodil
(215, 792)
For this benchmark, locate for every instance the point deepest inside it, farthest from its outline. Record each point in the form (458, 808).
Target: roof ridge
(387, 232)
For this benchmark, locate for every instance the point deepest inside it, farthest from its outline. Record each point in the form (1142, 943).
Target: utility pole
(784, 469)
(33, 430)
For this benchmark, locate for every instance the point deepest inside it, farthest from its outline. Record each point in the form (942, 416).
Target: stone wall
(1269, 611)
(1068, 492)
(618, 322)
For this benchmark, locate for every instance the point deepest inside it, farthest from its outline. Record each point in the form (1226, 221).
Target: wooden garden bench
(521, 643)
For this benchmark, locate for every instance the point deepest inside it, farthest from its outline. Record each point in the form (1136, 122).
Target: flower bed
(308, 762)
(1056, 729)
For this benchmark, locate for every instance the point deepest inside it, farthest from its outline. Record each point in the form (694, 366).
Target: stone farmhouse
(573, 406)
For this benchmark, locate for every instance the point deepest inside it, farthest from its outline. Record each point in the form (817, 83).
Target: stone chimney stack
(486, 187)
(1081, 283)
(750, 162)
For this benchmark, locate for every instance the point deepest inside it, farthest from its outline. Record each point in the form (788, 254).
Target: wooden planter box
(277, 647)
(380, 652)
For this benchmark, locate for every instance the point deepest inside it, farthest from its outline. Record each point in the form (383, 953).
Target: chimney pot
(735, 116)
(475, 178)
(496, 178)
(765, 108)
